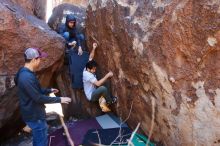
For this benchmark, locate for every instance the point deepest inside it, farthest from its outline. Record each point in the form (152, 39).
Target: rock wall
(20, 30)
(34, 7)
(167, 52)
(28, 5)
(40, 8)
(81, 3)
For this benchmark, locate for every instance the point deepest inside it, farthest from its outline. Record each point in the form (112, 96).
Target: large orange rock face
(20, 30)
(82, 3)
(167, 52)
(34, 7)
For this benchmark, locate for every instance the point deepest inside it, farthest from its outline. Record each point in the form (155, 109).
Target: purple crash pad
(77, 131)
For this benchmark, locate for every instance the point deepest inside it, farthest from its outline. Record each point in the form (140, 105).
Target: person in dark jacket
(32, 96)
(69, 32)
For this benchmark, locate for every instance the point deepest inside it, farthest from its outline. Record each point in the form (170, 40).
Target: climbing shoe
(103, 105)
(114, 99)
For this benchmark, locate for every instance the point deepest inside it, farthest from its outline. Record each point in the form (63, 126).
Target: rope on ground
(51, 139)
(59, 111)
(66, 131)
(132, 135)
(152, 120)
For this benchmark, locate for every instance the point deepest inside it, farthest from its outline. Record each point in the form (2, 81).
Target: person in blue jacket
(69, 32)
(32, 96)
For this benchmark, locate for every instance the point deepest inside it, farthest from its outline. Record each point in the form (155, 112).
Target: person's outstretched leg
(103, 91)
(100, 91)
(112, 98)
(101, 95)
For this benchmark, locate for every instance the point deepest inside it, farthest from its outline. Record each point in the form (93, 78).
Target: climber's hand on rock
(94, 45)
(110, 74)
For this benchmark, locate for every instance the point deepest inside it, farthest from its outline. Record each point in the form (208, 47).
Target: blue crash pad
(109, 120)
(76, 66)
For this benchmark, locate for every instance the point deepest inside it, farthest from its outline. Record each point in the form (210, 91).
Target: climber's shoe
(103, 105)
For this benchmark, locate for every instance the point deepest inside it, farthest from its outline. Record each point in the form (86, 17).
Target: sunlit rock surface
(163, 50)
(81, 3)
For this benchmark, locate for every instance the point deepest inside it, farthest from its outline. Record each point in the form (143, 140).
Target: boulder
(20, 30)
(61, 11)
(164, 55)
(81, 3)
(25, 5)
(36, 7)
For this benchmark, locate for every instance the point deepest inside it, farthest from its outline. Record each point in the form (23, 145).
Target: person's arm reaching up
(92, 54)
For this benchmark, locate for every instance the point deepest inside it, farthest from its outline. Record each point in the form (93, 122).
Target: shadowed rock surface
(34, 7)
(81, 3)
(163, 50)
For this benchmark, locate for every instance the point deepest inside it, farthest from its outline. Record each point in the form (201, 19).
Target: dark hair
(91, 64)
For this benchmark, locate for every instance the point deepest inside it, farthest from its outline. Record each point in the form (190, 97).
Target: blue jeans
(101, 91)
(66, 35)
(39, 132)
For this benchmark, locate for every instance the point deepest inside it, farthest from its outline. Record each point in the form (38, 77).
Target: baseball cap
(32, 53)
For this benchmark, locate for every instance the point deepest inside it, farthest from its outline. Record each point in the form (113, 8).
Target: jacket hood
(70, 17)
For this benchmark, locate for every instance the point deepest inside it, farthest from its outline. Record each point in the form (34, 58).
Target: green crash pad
(139, 140)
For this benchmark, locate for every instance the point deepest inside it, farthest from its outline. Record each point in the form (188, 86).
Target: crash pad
(77, 64)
